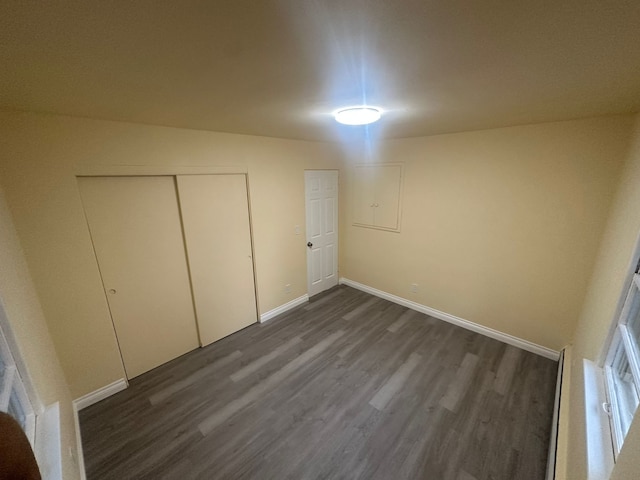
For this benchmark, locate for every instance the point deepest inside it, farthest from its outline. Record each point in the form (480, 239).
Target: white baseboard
(461, 322)
(283, 308)
(100, 394)
(85, 401)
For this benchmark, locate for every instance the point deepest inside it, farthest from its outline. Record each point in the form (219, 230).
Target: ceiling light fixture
(360, 115)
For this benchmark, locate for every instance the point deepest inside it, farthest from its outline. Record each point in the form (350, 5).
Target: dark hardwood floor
(349, 386)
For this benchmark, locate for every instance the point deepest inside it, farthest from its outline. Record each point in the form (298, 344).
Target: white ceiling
(280, 67)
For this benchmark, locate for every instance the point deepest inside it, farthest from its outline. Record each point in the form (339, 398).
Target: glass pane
(2, 369)
(625, 389)
(16, 410)
(631, 312)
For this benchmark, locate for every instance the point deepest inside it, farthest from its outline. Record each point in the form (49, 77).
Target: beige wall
(32, 336)
(41, 154)
(499, 227)
(606, 285)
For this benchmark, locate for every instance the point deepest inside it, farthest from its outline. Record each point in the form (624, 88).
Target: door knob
(309, 244)
(112, 291)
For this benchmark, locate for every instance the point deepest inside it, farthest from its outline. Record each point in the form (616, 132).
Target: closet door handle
(309, 244)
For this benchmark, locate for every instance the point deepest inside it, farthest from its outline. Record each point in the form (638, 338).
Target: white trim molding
(283, 308)
(100, 394)
(79, 452)
(461, 322)
(48, 448)
(599, 442)
(86, 401)
(154, 170)
(553, 442)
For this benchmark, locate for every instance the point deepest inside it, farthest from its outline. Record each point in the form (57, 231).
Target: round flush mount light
(360, 115)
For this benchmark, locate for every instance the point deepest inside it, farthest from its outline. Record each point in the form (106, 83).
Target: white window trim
(624, 341)
(12, 383)
(610, 396)
(601, 441)
(600, 459)
(629, 277)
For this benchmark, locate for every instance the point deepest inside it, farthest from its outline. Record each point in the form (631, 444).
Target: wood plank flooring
(349, 386)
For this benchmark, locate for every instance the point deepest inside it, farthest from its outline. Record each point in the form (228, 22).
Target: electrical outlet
(414, 288)
(297, 229)
(287, 288)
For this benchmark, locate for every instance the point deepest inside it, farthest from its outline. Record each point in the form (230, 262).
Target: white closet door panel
(215, 218)
(136, 232)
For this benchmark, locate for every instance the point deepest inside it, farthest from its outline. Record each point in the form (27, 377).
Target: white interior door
(215, 217)
(137, 236)
(321, 192)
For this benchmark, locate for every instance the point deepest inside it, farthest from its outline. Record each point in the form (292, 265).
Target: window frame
(12, 386)
(622, 340)
(41, 425)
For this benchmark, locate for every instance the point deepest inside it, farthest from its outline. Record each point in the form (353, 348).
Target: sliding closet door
(215, 218)
(135, 229)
